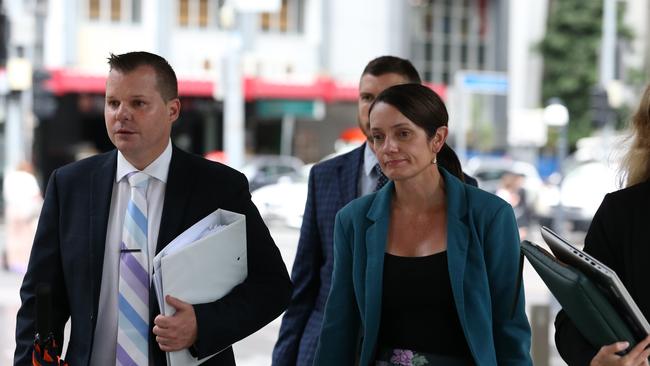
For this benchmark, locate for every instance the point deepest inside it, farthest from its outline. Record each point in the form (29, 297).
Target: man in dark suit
(332, 184)
(87, 236)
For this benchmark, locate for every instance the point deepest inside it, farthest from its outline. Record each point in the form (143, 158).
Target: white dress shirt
(367, 175)
(105, 341)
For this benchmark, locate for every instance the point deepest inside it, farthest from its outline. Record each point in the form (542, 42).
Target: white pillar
(233, 106)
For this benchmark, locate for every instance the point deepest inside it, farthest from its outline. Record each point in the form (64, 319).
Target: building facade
(300, 61)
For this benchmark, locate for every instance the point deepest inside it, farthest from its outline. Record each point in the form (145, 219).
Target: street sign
(467, 83)
(484, 82)
(278, 108)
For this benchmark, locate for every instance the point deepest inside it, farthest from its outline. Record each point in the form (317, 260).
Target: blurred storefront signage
(311, 109)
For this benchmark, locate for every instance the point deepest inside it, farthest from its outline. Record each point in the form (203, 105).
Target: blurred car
(284, 201)
(263, 170)
(580, 191)
(489, 171)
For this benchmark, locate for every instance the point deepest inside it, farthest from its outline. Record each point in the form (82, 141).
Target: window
(126, 11)
(289, 19)
(136, 11)
(199, 13)
(116, 10)
(93, 9)
(447, 37)
(203, 13)
(183, 13)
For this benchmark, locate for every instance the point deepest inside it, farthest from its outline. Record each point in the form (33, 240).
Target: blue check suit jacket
(332, 184)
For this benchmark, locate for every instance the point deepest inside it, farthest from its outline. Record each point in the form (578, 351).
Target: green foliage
(571, 50)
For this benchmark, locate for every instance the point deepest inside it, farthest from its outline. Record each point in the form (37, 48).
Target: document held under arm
(583, 301)
(201, 265)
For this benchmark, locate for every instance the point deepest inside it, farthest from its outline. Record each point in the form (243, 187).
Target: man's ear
(174, 109)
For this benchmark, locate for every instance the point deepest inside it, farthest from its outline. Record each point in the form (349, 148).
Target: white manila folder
(201, 265)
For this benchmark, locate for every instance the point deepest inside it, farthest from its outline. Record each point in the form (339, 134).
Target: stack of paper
(201, 265)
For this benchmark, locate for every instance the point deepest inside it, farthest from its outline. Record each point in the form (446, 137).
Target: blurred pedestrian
(426, 268)
(23, 201)
(332, 184)
(511, 189)
(619, 237)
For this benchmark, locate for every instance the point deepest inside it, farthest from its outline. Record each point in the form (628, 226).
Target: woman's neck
(421, 193)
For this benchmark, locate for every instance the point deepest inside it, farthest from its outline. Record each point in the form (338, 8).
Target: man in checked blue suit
(332, 184)
(104, 219)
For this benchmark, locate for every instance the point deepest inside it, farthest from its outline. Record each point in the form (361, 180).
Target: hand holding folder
(201, 265)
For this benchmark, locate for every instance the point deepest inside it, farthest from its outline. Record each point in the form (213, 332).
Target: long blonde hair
(635, 167)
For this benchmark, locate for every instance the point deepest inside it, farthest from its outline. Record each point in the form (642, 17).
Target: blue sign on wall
(489, 83)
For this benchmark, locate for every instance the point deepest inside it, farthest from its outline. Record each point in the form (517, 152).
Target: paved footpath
(256, 349)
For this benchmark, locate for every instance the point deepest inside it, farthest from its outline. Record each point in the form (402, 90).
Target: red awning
(65, 81)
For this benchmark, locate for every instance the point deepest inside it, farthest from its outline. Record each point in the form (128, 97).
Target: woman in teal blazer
(425, 213)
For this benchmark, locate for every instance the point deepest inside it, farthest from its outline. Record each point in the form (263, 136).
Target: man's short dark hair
(393, 65)
(165, 75)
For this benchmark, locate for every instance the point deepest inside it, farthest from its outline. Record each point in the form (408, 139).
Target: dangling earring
(435, 160)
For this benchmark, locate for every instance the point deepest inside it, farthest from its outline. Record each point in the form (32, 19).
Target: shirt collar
(157, 169)
(369, 160)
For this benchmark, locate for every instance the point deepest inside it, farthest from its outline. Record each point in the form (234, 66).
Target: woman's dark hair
(423, 107)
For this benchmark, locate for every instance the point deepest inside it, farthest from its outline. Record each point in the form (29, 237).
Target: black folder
(604, 278)
(583, 299)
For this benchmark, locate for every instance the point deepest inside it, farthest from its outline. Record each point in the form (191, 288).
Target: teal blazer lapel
(376, 235)
(457, 238)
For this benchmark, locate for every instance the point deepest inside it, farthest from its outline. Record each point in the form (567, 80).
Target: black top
(418, 309)
(619, 236)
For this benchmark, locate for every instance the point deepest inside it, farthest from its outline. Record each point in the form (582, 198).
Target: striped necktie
(381, 178)
(133, 300)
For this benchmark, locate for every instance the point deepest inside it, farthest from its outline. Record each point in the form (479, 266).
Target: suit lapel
(177, 193)
(457, 239)
(376, 235)
(101, 192)
(348, 176)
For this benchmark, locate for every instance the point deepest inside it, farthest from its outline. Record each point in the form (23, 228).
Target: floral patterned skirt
(405, 357)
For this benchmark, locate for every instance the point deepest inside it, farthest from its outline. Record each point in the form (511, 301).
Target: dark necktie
(381, 178)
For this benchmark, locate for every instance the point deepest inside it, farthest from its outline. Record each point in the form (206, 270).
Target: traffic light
(601, 112)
